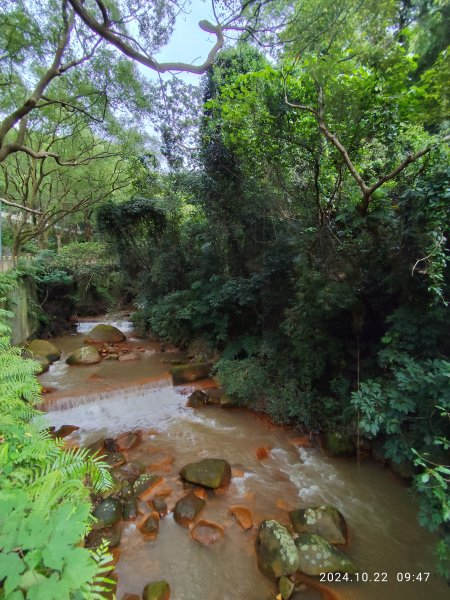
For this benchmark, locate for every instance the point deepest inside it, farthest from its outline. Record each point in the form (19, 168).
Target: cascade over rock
(103, 333)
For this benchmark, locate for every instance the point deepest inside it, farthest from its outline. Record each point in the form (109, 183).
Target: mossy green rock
(144, 481)
(338, 443)
(187, 508)
(285, 587)
(325, 520)
(158, 590)
(103, 333)
(317, 556)
(276, 551)
(44, 348)
(43, 362)
(107, 513)
(86, 355)
(209, 472)
(189, 373)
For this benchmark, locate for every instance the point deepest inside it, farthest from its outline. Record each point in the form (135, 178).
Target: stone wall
(21, 301)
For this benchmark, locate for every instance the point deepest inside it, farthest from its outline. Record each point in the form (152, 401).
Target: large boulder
(104, 334)
(158, 590)
(145, 484)
(86, 355)
(276, 551)
(107, 513)
(316, 555)
(209, 472)
(324, 520)
(187, 508)
(44, 348)
(190, 373)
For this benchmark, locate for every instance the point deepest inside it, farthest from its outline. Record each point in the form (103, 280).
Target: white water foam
(143, 406)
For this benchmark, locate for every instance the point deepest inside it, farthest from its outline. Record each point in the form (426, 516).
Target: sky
(189, 43)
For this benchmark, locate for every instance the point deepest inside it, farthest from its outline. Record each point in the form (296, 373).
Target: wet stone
(158, 590)
(285, 587)
(145, 483)
(276, 551)
(160, 505)
(325, 520)
(104, 334)
(130, 510)
(44, 348)
(111, 535)
(317, 556)
(149, 525)
(207, 533)
(209, 472)
(187, 508)
(190, 373)
(116, 459)
(197, 399)
(243, 516)
(107, 513)
(128, 440)
(131, 597)
(129, 472)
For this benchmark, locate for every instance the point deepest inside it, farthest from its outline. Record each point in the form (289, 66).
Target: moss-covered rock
(43, 362)
(190, 373)
(285, 587)
(130, 509)
(325, 520)
(145, 483)
(149, 525)
(187, 508)
(317, 556)
(209, 472)
(103, 333)
(158, 590)
(44, 348)
(107, 513)
(339, 443)
(86, 355)
(276, 551)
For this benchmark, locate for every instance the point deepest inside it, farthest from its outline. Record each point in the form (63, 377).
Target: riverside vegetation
(301, 243)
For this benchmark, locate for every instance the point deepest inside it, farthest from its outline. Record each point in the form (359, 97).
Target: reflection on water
(382, 518)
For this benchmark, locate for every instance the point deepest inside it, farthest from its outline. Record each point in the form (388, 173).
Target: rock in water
(149, 525)
(130, 509)
(144, 485)
(86, 355)
(197, 399)
(276, 551)
(44, 348)
(190, 373)
(243, 516)
(209, 472)
(324, 520)
(207, 533)
(158, 590)
(317, 556)
(107, 513)
(103, 333)
(187, 508)
(128, 440)
(43, 362)
(111, 535)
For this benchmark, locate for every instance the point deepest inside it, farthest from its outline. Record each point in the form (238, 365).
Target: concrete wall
(20, 301)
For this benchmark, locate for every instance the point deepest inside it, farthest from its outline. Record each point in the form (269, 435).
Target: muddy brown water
(109, 398)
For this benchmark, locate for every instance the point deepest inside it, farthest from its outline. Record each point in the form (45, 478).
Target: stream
(111, 397)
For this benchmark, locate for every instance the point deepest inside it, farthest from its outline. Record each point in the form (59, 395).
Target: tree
(74, 40)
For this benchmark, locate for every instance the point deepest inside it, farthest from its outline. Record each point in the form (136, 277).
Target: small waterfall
(122, 392)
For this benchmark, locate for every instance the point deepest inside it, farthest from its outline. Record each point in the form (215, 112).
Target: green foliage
(44, 497)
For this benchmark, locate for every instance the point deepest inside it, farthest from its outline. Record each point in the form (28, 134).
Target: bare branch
(19, 206)
(117, 40)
